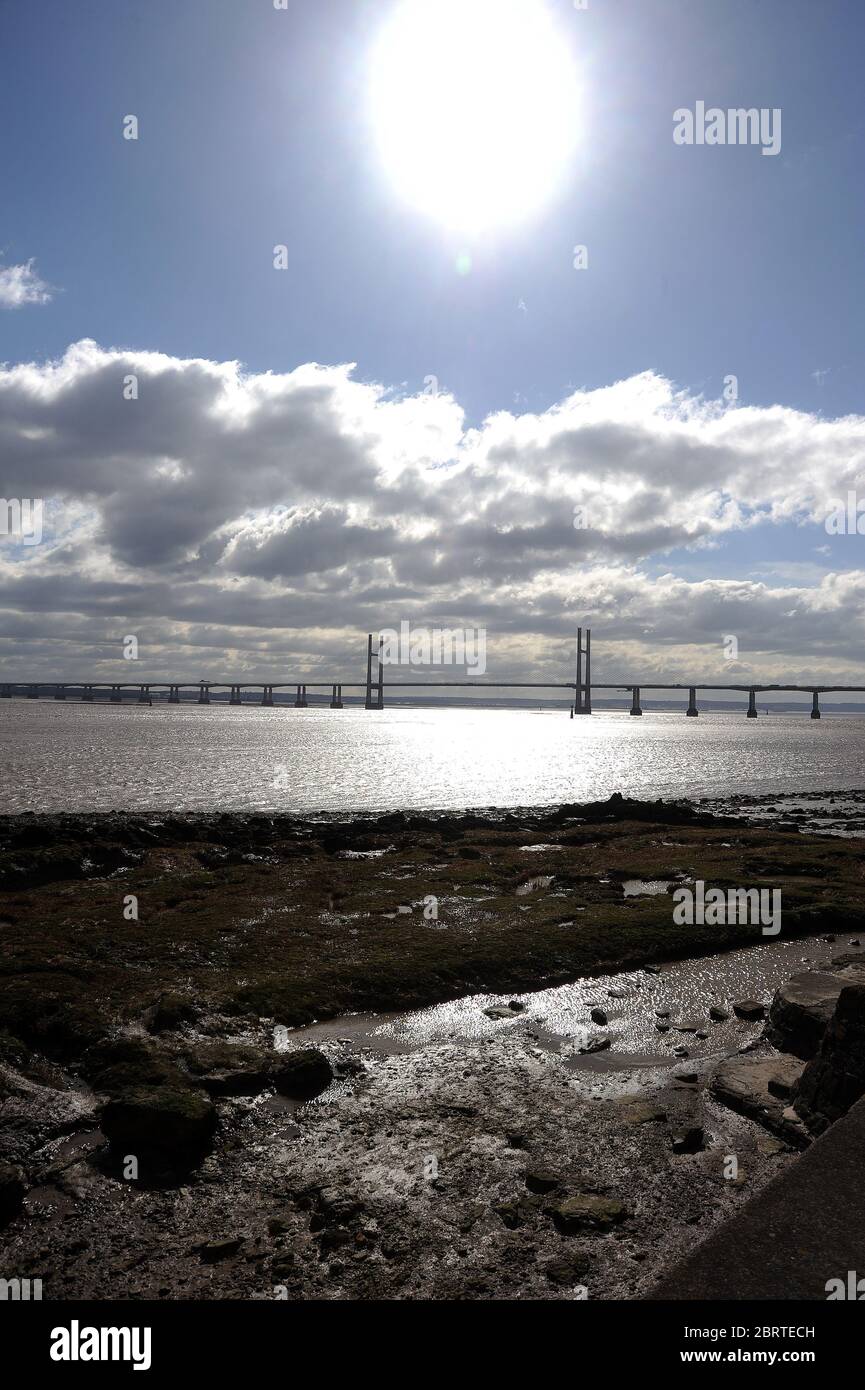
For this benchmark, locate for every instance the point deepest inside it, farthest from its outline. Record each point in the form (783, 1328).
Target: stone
(662, 1013)
(172, 1122)
(662, 1027)
(717, 1014)
(835, 1079)
(598, 1043)
(742, 1083)
(567, 1272)
(651, 969)
(681, 1051)
(214, 1250)
(686, 1026)
(587, 1210)
(302, 1074)
(701, 1034)
(500, 1011)
(599, 1016)
(688, 1140)
(541, 1180)
(13, 1190)
(750, 1009)
(642, 1112)
(170, 1011)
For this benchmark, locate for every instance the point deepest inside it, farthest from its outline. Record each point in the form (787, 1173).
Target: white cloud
(255, 509)
(20, 284)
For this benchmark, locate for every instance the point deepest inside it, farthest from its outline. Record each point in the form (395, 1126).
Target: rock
(802, 1008)
(835, 1078)
(541, 1180)
(662, 1013)
(231, 1069)
(717, 1014)
(302, 1074)
(642, 1113)
(750, 1009)
(587, 1209)
(618, 994)
(855, 942)
(599, 1016)
(829, 938)
(688, 1140)
(598, 1043)
(172, 1123)
(769, 1145)
(170, 1011)
(701, 1034)
(662, 1027)
(516, 1006)
(214, 1250)
(651, 969)
(689, 1077)
(687, 1026)
(13, 1190)
(742, 1083)
(119, 1064)
(681, 1051)
(500, 1011)
(567, 1272)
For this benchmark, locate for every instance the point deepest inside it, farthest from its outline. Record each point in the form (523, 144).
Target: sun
(475, 108)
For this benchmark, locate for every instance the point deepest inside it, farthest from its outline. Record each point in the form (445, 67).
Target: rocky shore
(170, 1128)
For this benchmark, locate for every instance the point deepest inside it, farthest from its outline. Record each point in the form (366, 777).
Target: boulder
(172, 1123)
(541, 1180)
(801, 1010)
(598, 1043)
(717, 1014)
(302, 1074)
(834, 1079)
(599, 1016)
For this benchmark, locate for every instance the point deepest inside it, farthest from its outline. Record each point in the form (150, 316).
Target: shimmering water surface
(76, 757)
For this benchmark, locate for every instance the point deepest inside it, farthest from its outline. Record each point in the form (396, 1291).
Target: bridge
(581, 688)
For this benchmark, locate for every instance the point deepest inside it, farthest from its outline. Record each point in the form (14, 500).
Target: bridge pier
(60, 692)
(87, 694)
(234, 698)
(752, 704)
(203, 695)
(144, 694)
(115, 698)
(33, 692)
(174, 695)
(267, 695)
(815, 705)
(635, 702)
(300, 702)
(336, 697)
(6, 692)
(692, 710)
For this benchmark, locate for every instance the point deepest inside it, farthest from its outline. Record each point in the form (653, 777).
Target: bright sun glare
(475, 108)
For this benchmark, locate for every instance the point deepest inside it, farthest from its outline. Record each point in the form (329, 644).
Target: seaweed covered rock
(302, 1074)
(175, 1125)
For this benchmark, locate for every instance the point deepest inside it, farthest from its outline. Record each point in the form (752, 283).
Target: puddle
(558, 1019)
(645, 887)
(533, 885)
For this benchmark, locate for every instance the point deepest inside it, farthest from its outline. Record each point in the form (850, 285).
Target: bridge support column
(815, 705)
(587, 698)
(379, 704)
(6, 692)
(336, 697)
(33, 692)
(267, 695)
(60, 692)
(635, 702)
(234, 698)
(87, 694)
(116, 698)
(174, 695)
(144, 695)
(368, 704)
(300, 702)
(203, 695)
(692, 710)
(752, 704)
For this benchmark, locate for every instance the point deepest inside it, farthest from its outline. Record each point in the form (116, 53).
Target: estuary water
(67, 756)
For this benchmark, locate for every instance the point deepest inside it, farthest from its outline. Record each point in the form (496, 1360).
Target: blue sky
(254, 131)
